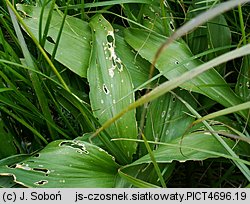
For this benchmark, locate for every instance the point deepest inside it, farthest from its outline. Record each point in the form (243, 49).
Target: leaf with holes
(65, 163)
(176, 60)
(76, 35)
(243, 82)
(196, 146)
(111, 88)
(168, 118)
(158, 17)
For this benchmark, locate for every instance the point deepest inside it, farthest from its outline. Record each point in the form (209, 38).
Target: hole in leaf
(146, 17)
(36, 155)
(113, 61)
(50, 40)
(12, 166)
(105, 89)
(110, 38)
(40, 183)
(80, 147)
(119, 66)
(171, 25)
(41, 169)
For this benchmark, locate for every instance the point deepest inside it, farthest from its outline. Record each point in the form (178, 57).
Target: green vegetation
(124, 93)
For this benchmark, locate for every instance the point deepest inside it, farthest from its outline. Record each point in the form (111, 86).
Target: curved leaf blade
(194, 146)
(109, 82)
(65, 163)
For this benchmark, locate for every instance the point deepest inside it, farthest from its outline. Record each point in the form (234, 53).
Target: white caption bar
(104, 195)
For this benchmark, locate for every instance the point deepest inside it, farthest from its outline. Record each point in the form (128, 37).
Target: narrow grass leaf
(108, 3)
(136, 182)
(225, 111)
(156, 167)
(7, 144)
(36, 82)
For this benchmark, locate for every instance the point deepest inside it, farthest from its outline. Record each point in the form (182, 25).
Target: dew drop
(102, 102)
(163, 114)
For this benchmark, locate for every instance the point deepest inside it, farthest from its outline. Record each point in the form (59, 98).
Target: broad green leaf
(65, 163)
(168, 118)
(158, 17)
(7, 143)
(206, 37)
(137, 66)
(74, 49)
(243, 82)
(176, 60)
(8, 181)
(109, 82)
(194, 146)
